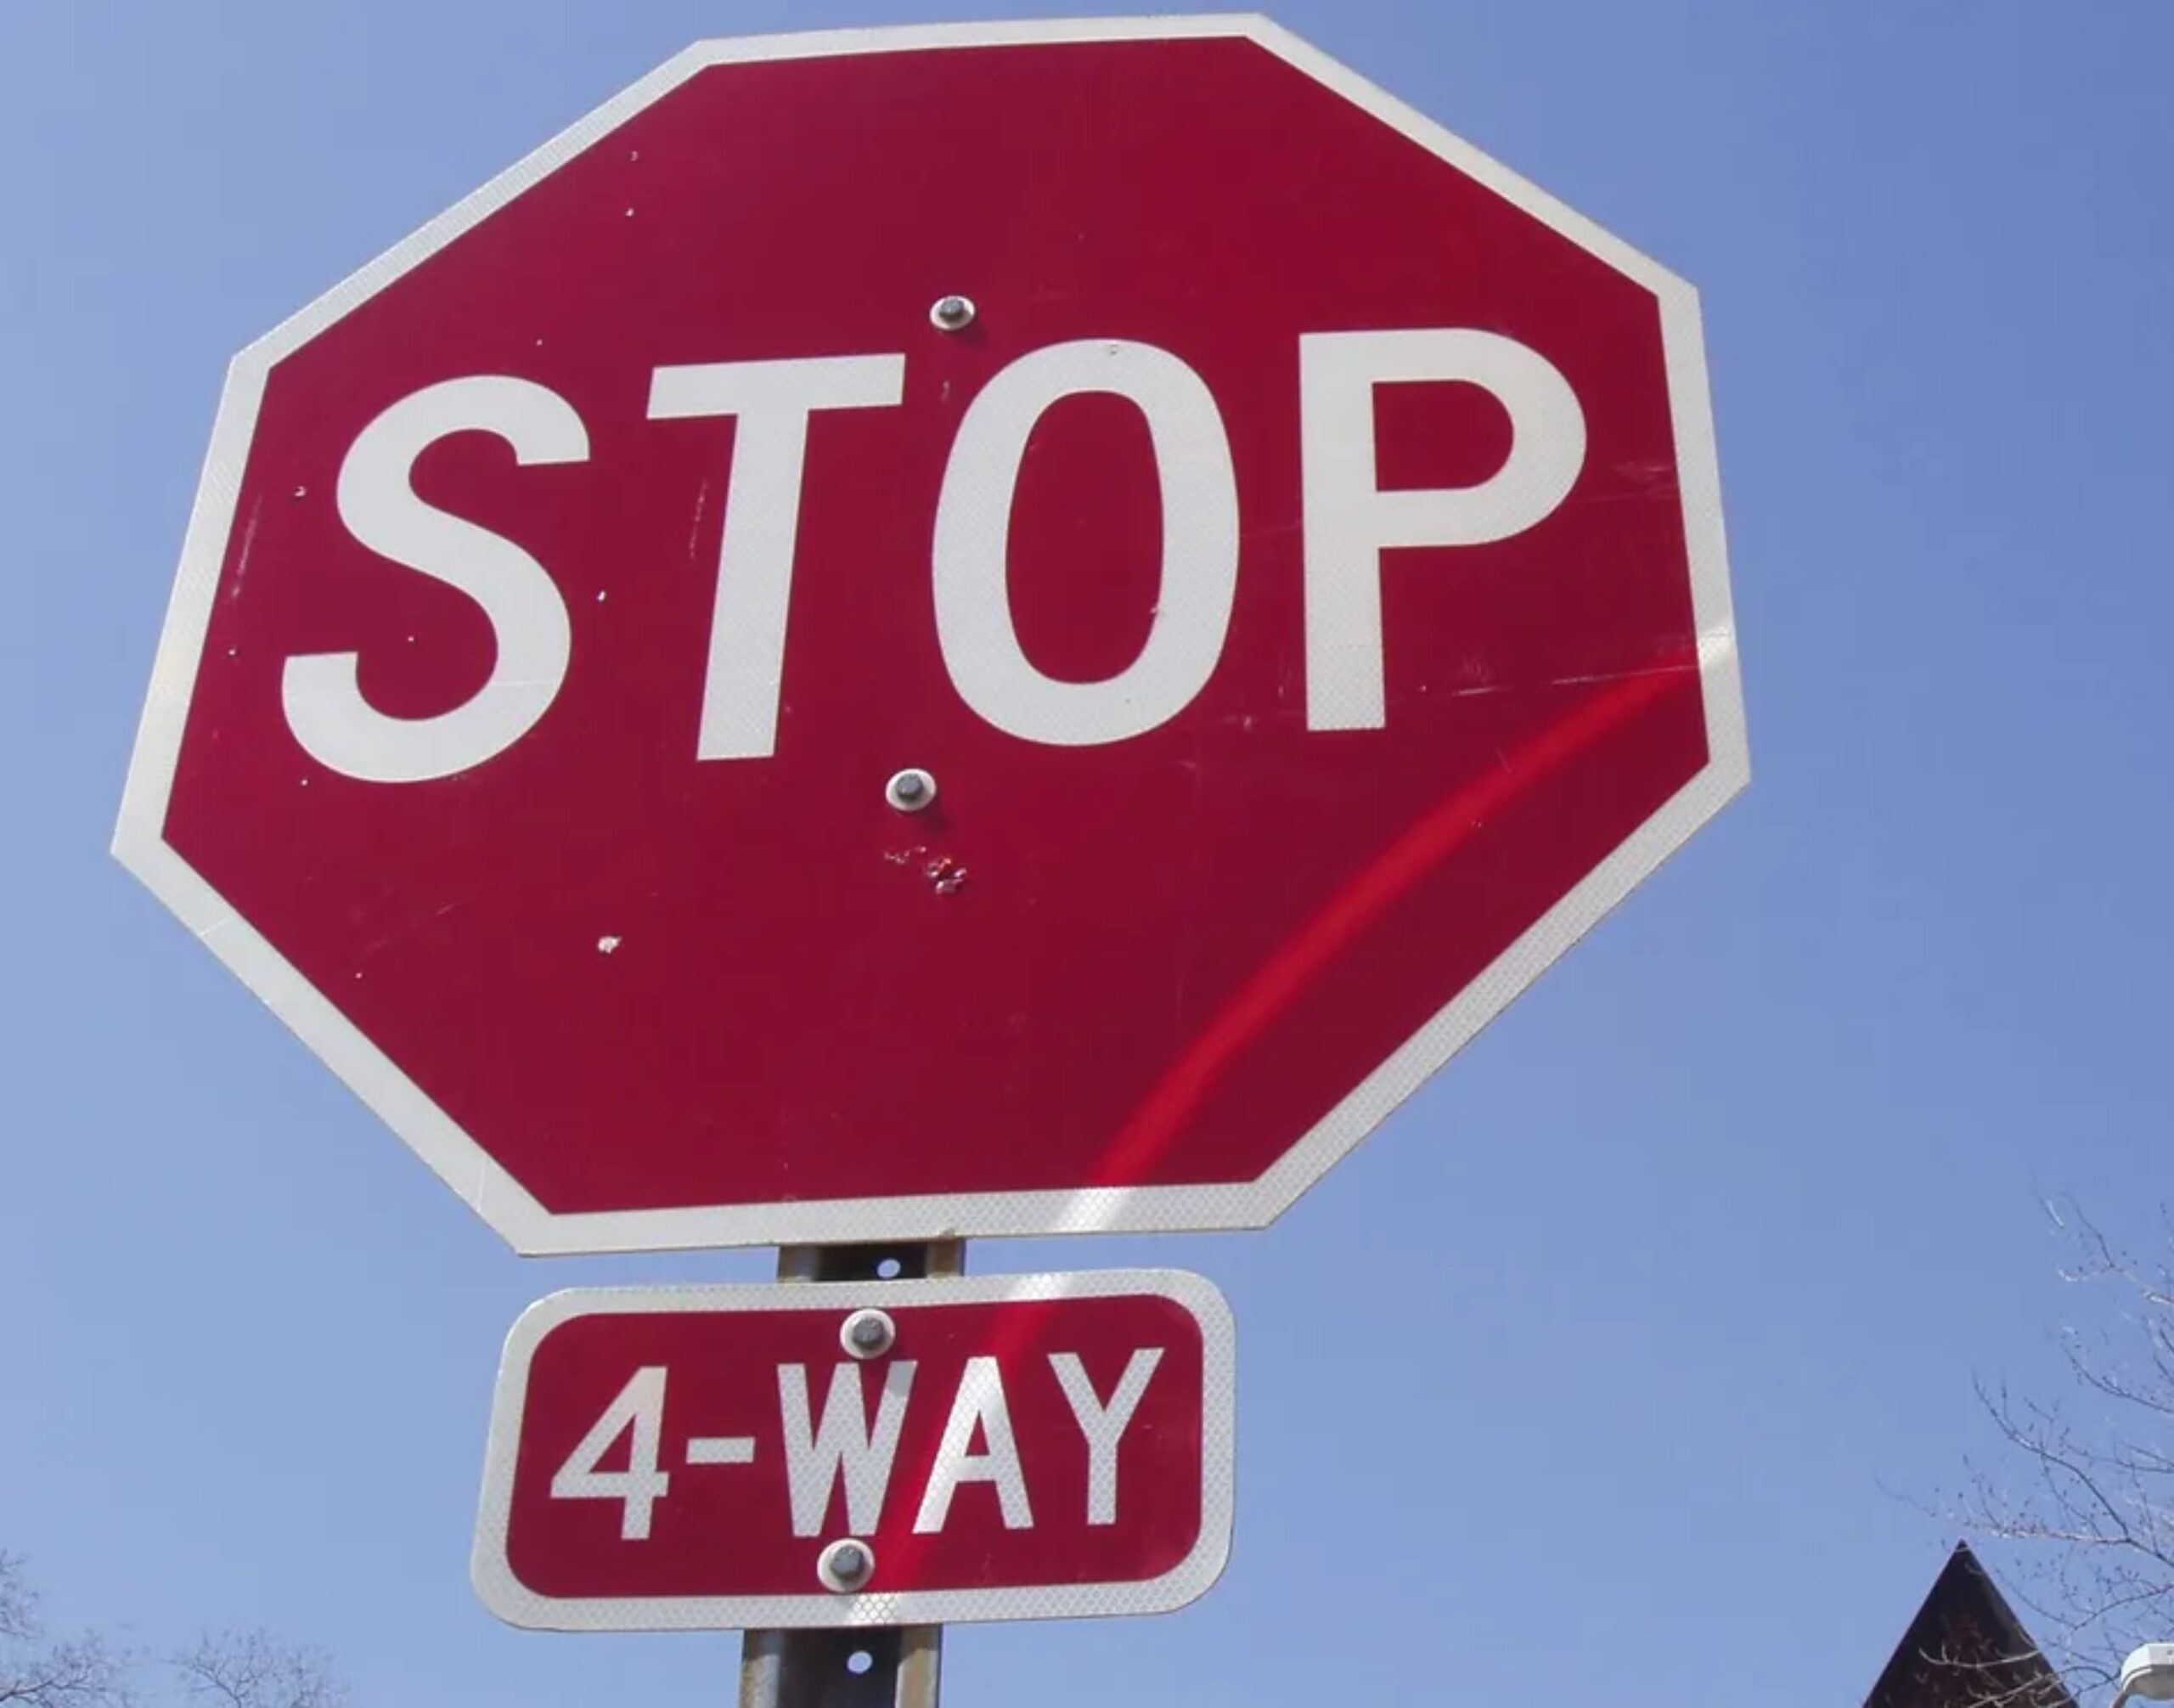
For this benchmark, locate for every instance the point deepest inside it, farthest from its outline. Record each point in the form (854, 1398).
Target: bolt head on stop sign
(971, 630)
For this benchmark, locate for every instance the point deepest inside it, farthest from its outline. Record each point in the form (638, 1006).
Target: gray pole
(899, 1666)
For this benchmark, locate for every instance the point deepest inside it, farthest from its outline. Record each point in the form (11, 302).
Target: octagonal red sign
(955, 631)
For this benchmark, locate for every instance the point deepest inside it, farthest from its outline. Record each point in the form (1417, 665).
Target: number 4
(641, 1485)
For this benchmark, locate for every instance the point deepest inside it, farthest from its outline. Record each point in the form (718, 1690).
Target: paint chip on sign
(605, 945)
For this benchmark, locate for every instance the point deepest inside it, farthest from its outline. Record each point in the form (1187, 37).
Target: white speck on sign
(605, 945)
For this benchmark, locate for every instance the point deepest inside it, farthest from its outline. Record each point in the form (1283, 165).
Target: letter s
(324, 707)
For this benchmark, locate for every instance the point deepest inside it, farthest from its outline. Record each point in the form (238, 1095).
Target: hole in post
(859, 1662)
(887, 1269)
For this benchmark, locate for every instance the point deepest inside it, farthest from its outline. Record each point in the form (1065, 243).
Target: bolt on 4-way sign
(927, 633)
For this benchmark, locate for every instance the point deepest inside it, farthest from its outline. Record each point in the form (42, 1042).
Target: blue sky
(1599, 1368)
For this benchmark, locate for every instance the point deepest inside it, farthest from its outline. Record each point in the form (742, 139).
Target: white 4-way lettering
(845, 1446)
(1349, 521)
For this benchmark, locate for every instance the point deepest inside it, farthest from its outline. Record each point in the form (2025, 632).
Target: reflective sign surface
(1285, 545)
(861, 1454)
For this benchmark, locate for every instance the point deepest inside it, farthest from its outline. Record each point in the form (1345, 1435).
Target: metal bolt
(952, 313)
(910, 790)
(845, 1565)
(868, 1334)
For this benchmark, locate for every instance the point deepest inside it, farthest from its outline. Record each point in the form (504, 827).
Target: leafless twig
(38, 1672)
(252, 1669)
(2086, 1501)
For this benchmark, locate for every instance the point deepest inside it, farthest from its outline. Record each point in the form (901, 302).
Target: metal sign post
(892, 1667)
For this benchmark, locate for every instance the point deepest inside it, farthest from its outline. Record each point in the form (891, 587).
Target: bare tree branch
(252, 1669)
(2088, 1507)
(246, 1669)
(35, 1672)
(18, 1602)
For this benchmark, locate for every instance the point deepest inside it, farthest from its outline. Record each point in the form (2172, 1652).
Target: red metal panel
(722, 1543)
(640, 981)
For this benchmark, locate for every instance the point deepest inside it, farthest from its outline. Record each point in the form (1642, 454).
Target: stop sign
(953, 631)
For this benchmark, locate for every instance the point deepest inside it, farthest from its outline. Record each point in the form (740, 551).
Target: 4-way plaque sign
(1003, 1446)
(916, 634)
